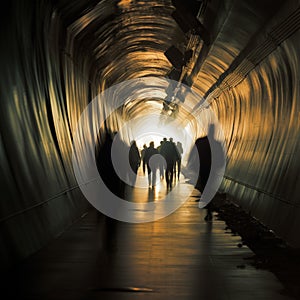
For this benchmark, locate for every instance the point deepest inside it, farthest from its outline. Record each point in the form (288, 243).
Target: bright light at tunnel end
(84, 163)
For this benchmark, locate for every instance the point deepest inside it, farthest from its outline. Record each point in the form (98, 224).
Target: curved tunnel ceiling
(121, 40)
(56, 56)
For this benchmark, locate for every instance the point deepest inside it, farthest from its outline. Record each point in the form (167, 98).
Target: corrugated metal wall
(38, 86)
(260, 117)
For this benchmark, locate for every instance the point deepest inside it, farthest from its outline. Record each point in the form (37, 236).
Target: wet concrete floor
(178, 257)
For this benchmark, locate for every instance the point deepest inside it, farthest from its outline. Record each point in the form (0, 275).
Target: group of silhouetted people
(150, 158)
(167, 169)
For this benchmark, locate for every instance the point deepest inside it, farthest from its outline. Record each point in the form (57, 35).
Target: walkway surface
(178, 257)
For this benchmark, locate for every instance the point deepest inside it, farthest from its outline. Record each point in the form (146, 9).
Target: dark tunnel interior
(241, 57)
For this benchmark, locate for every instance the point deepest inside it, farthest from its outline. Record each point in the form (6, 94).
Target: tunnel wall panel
(260, 119)
(39, 194)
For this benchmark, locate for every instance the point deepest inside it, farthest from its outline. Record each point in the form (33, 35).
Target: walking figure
(170, 153)
(134, 161)
(161, 163)
(143, 157)
(180, 151)
(150, 151)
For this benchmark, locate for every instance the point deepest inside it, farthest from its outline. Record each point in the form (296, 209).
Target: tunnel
(179, 65)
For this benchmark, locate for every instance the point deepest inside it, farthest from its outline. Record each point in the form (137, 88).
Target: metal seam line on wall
(238, 72)
(38, 204)
(260, 190)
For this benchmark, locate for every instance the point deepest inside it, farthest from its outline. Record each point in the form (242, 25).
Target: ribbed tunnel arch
(56, 56)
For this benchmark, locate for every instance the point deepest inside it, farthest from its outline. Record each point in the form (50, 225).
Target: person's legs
(208, 216)
(154, 177)
(178, 167)
(167, 177)
(174, 169)
(161, 170)
(149, 175)
(171, 174)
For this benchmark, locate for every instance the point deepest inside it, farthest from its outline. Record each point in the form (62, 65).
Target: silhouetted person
(204, 150)
(169, 152)
(180, 151)
(143, 157)
(105, 165)
(150, 151)
(161, 163)
(134, 160)
(174, 165)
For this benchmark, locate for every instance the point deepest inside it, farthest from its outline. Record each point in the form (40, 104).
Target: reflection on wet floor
(178, 257)
(142, 192)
